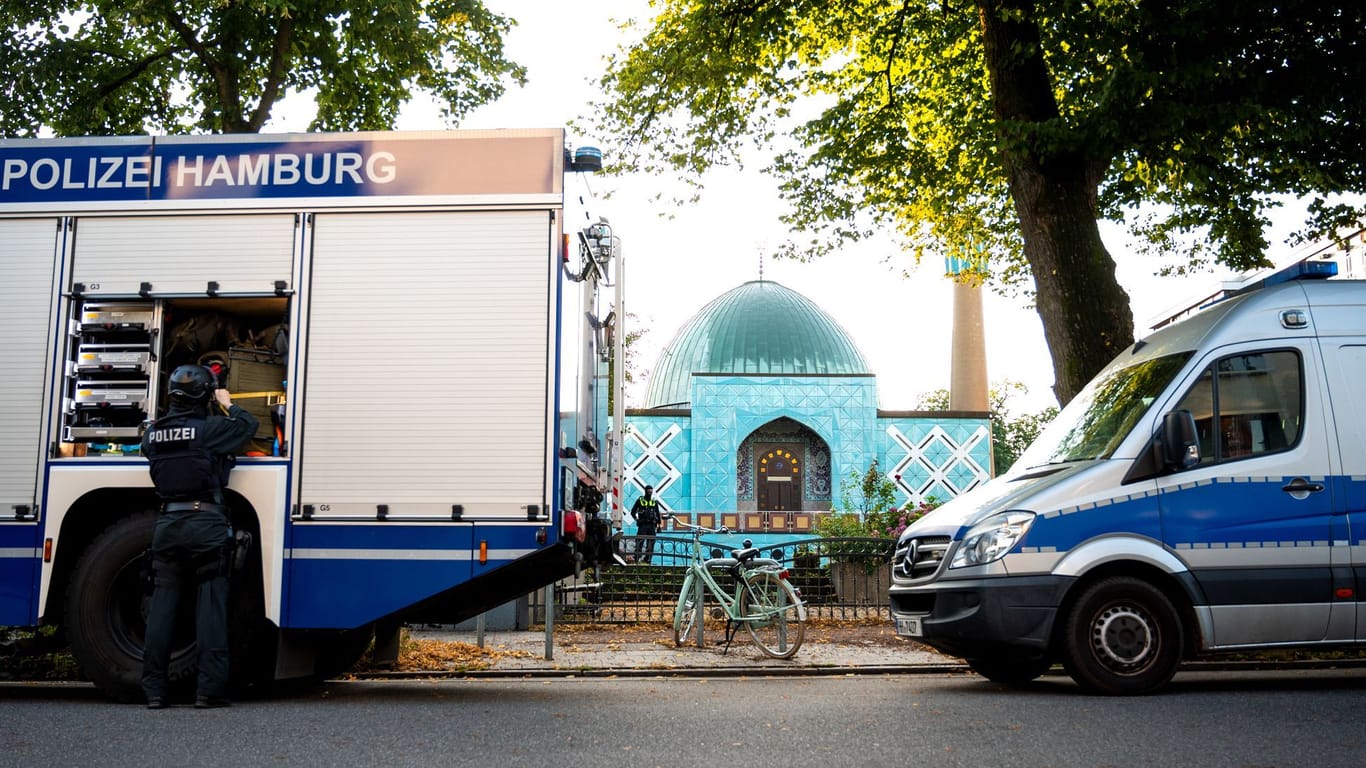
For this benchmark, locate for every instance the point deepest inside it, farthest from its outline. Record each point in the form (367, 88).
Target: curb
(810, 671)
(567, 672)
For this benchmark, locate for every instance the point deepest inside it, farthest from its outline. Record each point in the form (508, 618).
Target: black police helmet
(191, 382)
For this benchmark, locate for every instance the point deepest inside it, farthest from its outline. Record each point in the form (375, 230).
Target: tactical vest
(183, 469)
(648, 516)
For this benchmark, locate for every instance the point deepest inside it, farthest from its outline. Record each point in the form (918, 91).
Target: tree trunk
(1053, 183)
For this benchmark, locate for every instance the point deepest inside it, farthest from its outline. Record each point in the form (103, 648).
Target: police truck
(389, 306)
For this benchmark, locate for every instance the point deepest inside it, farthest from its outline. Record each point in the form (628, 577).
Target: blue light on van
(1300, 270)
(1306, 270)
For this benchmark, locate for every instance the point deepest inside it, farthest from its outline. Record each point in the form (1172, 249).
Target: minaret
(968, 368)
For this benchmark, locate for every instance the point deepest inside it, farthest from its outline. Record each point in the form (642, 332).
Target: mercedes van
(1205, 493)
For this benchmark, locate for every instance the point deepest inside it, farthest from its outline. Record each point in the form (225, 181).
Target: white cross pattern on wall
(937, 441)
(653, 453)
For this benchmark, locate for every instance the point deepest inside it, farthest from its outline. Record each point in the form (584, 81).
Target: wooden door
(779, 474)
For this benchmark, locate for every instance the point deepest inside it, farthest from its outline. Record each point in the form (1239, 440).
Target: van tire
(106, 611)
(1123, 636)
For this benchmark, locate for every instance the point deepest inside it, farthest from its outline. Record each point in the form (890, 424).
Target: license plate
(908, 627)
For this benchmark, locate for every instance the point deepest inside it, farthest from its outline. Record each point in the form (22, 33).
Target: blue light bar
(1300, 270)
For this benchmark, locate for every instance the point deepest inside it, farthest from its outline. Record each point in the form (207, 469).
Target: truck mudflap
(973, 617)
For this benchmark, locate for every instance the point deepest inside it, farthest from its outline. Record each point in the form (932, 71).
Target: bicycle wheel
(685, 612)
(773, 614)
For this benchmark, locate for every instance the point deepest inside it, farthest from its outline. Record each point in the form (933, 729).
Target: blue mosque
(762, 404)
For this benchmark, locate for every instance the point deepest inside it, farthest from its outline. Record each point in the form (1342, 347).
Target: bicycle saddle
(746, 554)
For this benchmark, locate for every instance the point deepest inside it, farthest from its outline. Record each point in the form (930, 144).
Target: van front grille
(919, 558)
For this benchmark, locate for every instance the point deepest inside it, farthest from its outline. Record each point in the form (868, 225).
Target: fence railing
(839, 578)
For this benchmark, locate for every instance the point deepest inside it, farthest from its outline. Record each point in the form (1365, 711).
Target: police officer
(646, 514)
(190, 451)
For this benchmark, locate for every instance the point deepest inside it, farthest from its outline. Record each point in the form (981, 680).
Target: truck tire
(106, 611)
(1123, 636)
(1010, 668)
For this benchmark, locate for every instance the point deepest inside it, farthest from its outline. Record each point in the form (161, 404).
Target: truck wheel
(1122, 637)
(1010, 668)
(106, 611)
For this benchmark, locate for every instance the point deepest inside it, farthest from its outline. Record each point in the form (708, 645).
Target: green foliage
(840, 525)
(869, 508)
(29, 654)
(1010, 434)
(113, 67)
(1008, 128)
(868, 491)
(891, 522)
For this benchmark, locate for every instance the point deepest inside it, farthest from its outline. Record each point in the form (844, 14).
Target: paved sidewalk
(648, 651)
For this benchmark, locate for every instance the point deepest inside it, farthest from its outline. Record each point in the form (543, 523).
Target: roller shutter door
(29, 248)
(244, 254)
(428, 364)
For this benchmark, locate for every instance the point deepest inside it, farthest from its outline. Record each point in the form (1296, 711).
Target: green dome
(761, 329)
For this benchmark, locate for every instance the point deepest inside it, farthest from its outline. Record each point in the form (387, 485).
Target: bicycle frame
(700, 576)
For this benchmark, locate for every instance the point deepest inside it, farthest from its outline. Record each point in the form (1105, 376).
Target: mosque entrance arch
(783, 477)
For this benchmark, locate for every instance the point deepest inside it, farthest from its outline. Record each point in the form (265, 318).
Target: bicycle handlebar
(694, 526)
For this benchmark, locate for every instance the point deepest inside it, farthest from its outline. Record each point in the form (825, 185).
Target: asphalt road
(1207, 719)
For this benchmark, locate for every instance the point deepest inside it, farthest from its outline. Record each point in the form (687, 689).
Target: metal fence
(839, 578)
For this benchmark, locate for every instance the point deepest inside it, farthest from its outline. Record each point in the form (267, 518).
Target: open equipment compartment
(245, 343)
(121, 354)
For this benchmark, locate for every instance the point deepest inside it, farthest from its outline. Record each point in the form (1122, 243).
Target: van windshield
(1099, 418)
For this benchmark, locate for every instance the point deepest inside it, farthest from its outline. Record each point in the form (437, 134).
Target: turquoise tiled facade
(698, 467)
(756, 378)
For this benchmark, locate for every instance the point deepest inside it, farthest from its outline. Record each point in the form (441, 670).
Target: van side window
(1247, 405)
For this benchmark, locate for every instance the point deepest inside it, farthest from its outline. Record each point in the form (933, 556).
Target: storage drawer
(97, 318)
(102, 434)
(112, 357)
(107, 394)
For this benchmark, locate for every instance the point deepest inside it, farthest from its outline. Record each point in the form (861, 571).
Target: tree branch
(138, 67)
(896, 41)
(228, 100)
(279, 66)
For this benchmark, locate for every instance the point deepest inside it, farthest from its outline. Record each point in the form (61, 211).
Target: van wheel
(1010, 668)
(1122, 637)
(106, 611)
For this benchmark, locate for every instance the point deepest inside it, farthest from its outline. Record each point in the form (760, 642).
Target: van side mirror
(1175, 447)
(1180, 442)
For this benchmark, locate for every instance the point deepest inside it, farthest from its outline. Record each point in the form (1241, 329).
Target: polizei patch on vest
(171, 434)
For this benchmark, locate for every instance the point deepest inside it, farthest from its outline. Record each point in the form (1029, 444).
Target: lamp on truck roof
(583, 160)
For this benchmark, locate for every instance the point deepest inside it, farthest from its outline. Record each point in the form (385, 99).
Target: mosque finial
(761, 266)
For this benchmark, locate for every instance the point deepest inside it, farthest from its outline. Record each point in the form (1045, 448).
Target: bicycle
(764, 601)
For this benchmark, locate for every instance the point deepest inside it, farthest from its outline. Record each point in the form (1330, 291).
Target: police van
(387, 304)
(1204, 493)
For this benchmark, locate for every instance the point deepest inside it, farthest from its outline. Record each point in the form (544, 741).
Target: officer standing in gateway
(646, 514)
(190, 451)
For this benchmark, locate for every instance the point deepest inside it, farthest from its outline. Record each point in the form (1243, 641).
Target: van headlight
(992, 538)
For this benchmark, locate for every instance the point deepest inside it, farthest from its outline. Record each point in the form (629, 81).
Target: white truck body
(413, 468)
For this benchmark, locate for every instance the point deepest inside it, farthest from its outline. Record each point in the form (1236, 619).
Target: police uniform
(191, 452)
(646, 514)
